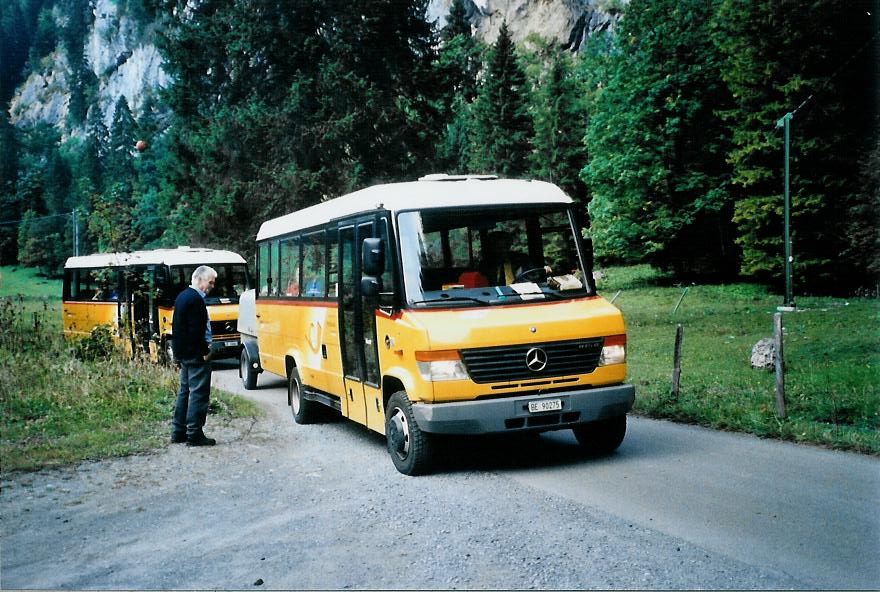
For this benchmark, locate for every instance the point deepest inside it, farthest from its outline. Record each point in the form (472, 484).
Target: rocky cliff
(567, 21)
(123, 56)
(120, 52)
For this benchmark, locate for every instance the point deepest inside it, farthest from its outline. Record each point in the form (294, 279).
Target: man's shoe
(200, 440)
(178, 438)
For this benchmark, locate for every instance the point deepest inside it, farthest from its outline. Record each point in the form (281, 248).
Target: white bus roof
(178, 256)
(434, 191)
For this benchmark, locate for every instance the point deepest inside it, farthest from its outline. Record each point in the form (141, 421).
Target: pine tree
(502, 126)
(9, 205)
(458, 63)
(657, 167)
(778, 59)
(119, 162)
(94, 148)
(560, 123)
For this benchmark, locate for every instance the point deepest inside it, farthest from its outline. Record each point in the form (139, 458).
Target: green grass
(28, 282)
(831, 354)
(58, 408)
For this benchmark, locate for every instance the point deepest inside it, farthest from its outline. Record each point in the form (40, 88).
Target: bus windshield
(478, 256)
(232, 281)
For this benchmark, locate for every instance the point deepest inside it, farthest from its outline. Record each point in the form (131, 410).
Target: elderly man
(191, 329)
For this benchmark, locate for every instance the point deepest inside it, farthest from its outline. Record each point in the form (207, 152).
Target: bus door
(357, 328)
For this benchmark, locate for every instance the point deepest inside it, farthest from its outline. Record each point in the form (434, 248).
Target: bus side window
(313, 264)
(288, 276)
(332, 264)
(263, 272)
(274, 282)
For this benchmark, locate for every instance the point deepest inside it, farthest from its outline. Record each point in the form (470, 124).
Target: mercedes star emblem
(536, 359)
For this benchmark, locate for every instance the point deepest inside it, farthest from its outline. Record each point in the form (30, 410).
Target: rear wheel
(246, 371)
(410, 448)
(302, 410)
(603, 436)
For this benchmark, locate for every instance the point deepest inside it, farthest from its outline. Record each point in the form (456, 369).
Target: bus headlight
(437, 366)
(613, 350)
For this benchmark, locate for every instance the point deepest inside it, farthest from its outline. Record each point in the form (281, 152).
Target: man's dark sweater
(188, 325)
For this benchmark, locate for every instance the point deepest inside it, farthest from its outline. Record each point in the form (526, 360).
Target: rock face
(125, 61)
(123, 56)
(45, 95)
(567, 21)
(764, 354)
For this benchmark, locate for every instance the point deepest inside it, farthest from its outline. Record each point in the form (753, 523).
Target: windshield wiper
(451, 299)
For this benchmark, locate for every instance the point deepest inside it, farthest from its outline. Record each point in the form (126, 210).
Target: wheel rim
(398, 433)
(243, 365)
(294, 395)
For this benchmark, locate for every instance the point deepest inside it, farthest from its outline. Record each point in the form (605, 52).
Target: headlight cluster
(437, 366)
(613, 350)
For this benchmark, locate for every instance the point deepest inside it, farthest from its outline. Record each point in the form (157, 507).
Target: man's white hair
(203, 273)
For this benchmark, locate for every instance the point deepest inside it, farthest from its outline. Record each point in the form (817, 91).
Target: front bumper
(227, 347)
(512, 413)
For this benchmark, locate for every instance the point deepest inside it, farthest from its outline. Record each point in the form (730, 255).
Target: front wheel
(603, 436)
(302, 410)
(410, 448)
(246, 371)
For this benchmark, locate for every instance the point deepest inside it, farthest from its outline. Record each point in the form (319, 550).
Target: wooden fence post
(779, 359)
(676, 360)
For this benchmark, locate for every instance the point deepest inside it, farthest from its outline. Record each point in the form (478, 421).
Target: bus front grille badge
(536, 359)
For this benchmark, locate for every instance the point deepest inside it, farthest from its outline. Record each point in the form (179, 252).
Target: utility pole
(75, 234)
(785, 123)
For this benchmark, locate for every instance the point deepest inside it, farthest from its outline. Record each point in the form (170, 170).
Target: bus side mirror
(371, 287)
(373, 257)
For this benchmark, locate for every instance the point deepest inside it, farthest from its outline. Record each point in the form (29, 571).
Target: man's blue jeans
(191, 407)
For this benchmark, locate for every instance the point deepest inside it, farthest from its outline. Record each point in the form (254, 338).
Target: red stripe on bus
(280, 302)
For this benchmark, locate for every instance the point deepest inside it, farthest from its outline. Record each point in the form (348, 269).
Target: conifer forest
(663, 127)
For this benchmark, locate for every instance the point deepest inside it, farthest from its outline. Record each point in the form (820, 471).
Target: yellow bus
(447, 305)
(133, 294)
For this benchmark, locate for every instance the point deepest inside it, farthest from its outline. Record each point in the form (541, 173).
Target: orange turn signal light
(437, 355)
(615, 340)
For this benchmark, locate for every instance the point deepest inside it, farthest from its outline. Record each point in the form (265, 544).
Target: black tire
(603, 436)
(246, 371)
(303, 411)
(410, 448)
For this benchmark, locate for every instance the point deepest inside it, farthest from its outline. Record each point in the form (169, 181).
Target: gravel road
(280, 506)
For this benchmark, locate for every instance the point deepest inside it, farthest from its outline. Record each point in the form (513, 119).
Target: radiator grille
(229, 327)
(506, 363)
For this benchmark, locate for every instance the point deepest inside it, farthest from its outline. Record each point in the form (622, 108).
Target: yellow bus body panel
(216, 312)
(457, 329)
(298, 330)
(81, 317)
(305, 332)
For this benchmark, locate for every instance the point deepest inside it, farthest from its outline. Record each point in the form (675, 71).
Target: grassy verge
(28, 283)
(62, 403)
(831, 354)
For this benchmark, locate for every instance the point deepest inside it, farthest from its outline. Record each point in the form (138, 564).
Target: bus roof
(434, 191)
(178, 256)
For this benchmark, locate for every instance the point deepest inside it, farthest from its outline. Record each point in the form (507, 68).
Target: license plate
(231, 343)
(547, 405)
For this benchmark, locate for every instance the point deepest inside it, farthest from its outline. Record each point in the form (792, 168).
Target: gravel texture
(280, 506)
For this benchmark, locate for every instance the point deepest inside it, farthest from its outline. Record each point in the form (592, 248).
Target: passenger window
(288, 277)
(273, 267)
(313, 265)
(264, 270)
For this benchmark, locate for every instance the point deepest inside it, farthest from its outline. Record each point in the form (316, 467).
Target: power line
(20, 220)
